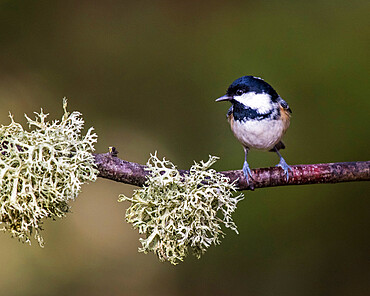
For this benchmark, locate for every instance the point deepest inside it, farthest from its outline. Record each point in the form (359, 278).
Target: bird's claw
(282, 164)
(248, 175)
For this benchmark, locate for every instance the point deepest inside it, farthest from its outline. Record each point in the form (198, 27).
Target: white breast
(256, 134)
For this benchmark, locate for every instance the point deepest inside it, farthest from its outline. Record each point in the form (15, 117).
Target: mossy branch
(113, 168)
(41, 169)
(177, 211)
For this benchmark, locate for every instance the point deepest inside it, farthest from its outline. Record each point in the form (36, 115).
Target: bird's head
(251, 92)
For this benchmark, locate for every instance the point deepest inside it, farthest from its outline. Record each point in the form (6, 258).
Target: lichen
(41, 170)
(177, 212)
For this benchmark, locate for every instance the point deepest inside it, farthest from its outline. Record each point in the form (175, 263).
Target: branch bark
(116, 169)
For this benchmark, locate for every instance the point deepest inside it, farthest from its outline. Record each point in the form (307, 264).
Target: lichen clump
(41, 169)
(177, 212)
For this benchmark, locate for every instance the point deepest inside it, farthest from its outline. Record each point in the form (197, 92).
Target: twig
(113, 168)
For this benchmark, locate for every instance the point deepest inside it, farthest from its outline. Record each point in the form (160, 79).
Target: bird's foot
(287, 169)
(248, 175)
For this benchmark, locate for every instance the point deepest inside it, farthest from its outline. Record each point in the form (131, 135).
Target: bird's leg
(282, 163)
(246, 170)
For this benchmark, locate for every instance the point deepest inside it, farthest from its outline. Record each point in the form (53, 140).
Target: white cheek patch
(259, 102)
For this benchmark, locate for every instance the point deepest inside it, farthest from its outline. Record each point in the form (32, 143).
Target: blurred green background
(145, 74)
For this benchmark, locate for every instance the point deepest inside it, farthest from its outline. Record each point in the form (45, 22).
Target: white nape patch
(260, 102)
(256, 77)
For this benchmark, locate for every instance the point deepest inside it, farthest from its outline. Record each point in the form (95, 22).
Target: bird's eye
(239, 92)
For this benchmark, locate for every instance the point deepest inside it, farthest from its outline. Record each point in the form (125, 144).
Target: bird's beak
(224, 98)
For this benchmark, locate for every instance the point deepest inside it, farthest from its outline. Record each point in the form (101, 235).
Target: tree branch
(113, 168)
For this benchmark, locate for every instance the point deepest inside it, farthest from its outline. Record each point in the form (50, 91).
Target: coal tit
(258, 117)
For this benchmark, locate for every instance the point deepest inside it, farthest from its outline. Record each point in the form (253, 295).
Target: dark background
(145, 74)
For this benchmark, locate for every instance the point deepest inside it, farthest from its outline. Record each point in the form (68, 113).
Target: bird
(258, 117)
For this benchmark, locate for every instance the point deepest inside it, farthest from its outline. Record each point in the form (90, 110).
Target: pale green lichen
(41, 169)
(180, 212)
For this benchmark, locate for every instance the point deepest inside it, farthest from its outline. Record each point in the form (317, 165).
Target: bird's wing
(284, 105)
